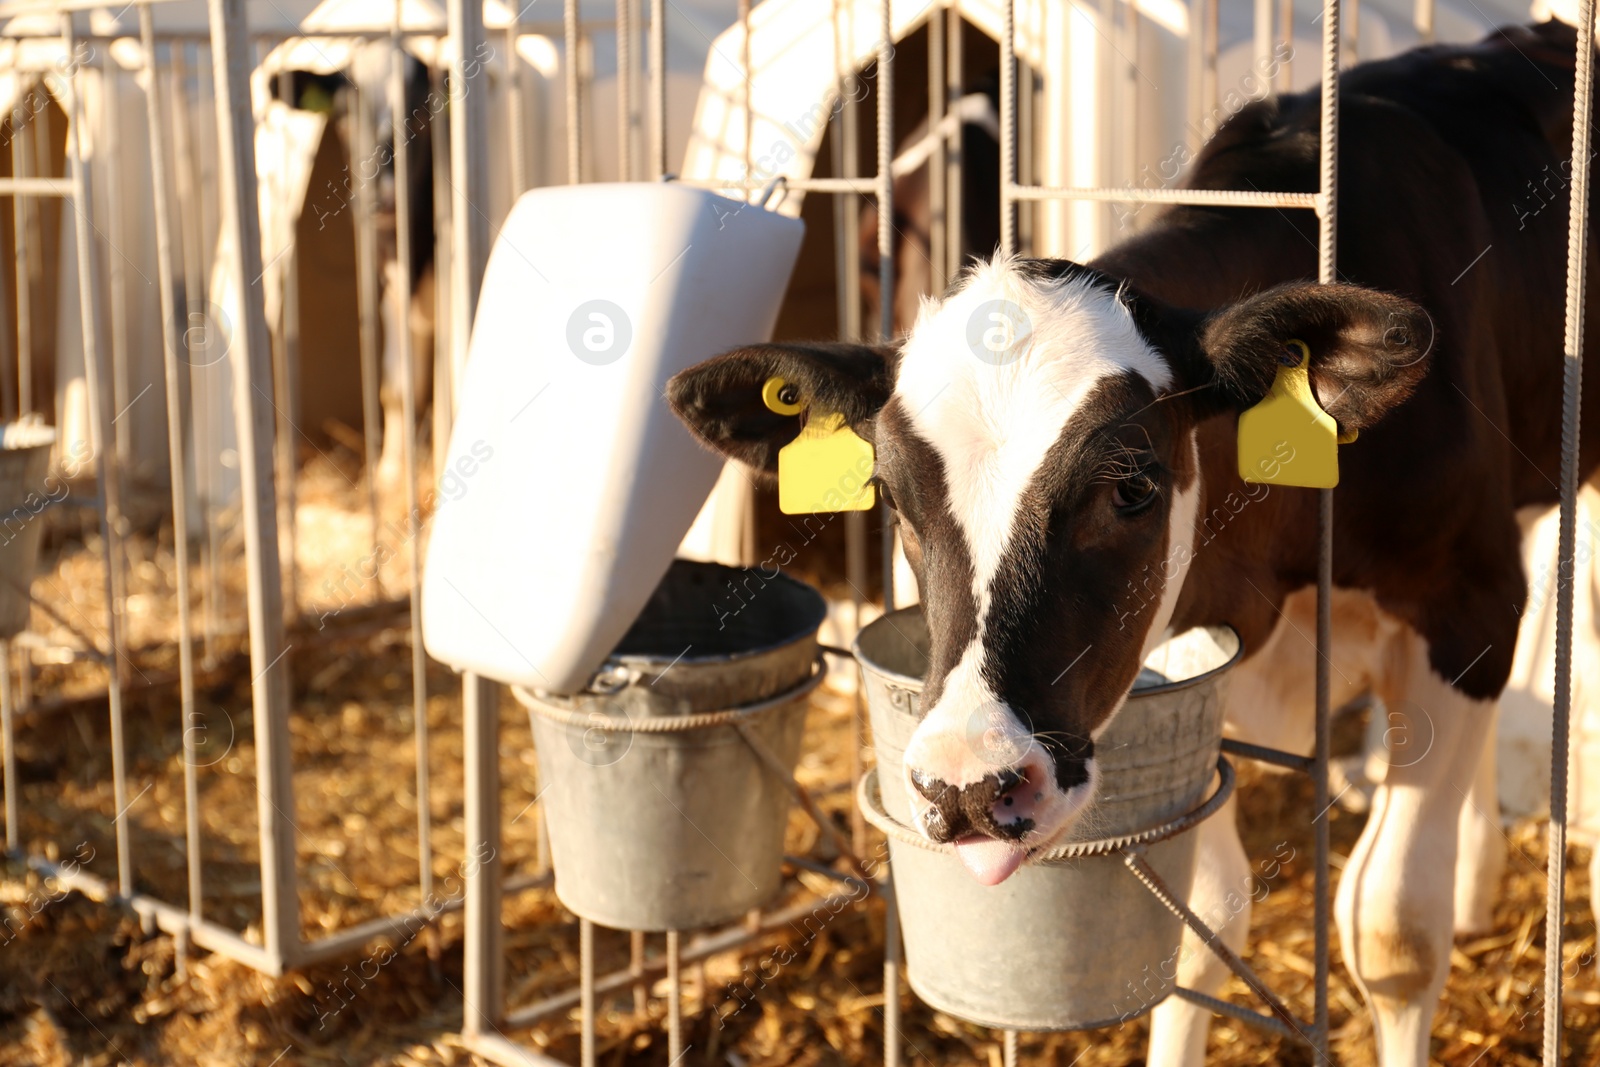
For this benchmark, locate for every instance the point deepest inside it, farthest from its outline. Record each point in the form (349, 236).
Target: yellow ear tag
(1288, 439)
(826, 468)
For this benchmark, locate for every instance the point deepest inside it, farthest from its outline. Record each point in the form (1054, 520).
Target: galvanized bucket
(661, 783)
(24, 494)
(1073, 940)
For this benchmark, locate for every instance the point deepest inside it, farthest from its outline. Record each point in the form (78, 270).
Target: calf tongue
(991, 862)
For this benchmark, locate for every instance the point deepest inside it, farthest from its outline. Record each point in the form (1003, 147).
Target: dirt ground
(81, 983)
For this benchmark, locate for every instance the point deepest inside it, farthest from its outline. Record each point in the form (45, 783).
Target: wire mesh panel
(249, 508)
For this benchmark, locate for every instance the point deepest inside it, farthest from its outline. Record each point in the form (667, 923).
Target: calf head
(1035, 438)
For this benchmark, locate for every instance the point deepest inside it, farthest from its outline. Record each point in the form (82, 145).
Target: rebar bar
(1571, 425)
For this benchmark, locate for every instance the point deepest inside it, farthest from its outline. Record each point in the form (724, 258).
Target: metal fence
(262, 396)
(266, 463)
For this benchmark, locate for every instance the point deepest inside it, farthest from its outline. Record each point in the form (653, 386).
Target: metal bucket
(662, 816)
(24, 464)
(1072, 941)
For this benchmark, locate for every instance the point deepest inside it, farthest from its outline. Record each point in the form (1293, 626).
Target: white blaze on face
(992, 420)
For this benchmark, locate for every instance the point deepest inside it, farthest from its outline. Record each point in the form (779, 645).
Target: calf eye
(1134, 494)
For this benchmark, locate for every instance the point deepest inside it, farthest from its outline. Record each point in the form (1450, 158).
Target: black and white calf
(1069, 503)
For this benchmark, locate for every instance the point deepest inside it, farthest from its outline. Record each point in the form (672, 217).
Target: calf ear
(1368, 349)
(720, 400)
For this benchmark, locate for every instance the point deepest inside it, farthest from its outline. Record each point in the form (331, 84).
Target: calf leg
(1395, 905)
(1482, 859)
(1221, 896)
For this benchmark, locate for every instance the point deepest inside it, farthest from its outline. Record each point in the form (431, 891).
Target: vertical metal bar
(1130, 98)
(1213, 42)
(483, 966)
(1025, 172)
(1571, 425)
(1008, 129)
(440, 140)
(42, 165)
(176, 417)
(891, 979)
(285, 355)
(641, 991)
(408, 442)
(855, 561)
(849, 131)
(364, 141)
(674, 999)
(1009, 1046)
(886, 232)
(8, 738)
(8, 385)
(658, 86)
(1262, 35)
(24, 679)
(846, 250)
(886, 235)
(286, 383)
(469, 180)
(744, 65)
(514, 116)
(217, 516)
(23, 210)
(484, 962)
(586, 991)
(1194, 75)
(280, 904)
(937, 255)
(1327, 274)
(120, 392)
(847, 278)
(191, 219)
(1285, 81)
(625, 34)
(569, 18)
(954, 185)
(100, 436)
(587, 76)
(638, 97)
(116, 237)
(1422, 19)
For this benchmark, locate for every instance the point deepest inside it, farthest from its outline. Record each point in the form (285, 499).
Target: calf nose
(984, 807)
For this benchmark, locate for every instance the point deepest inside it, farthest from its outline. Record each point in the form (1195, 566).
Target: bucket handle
(780, 185)
(669, 724)
(609, 681)
(871, 804)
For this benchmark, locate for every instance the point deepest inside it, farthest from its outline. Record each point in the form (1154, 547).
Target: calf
(1071, 499)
